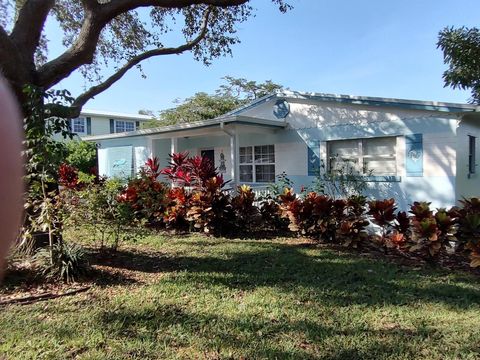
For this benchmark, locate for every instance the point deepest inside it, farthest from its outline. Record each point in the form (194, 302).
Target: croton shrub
(146, 194)
(199, 201)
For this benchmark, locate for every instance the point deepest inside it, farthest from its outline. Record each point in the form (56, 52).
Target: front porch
(243, 152)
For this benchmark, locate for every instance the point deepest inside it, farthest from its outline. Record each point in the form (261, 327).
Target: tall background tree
(234, 93)
(110, 35)
(461, 52)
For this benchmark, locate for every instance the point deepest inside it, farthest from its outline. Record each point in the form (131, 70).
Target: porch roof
(231, 119)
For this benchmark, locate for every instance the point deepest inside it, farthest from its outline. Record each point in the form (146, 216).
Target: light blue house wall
(430, 151)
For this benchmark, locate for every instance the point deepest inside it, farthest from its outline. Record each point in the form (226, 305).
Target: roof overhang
(213, 123)
(382, 102)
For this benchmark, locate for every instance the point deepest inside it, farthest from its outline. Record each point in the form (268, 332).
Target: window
(375, 156)
(257, 163)
(124, 126)
(471, 154)
(79, 126)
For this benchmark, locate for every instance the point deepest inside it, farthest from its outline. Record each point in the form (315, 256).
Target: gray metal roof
(380, 101)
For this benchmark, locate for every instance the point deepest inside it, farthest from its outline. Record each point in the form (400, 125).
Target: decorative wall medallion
(119, 163)
(414, 155)
(281, 109)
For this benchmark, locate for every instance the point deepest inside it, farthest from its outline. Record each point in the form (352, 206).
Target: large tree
(461, 52)
(115, 35)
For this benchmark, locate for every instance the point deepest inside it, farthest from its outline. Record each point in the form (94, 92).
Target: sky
(365, 48)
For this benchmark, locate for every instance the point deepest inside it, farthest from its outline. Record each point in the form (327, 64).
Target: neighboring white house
(93, 122)
(413, 150)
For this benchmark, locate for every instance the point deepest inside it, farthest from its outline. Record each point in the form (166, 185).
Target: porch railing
(260, 191)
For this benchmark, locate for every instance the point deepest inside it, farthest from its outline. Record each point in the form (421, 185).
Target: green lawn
(202, 298)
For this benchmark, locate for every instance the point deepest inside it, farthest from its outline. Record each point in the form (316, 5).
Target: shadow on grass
(151, 262)
(334, 278)
(259, 337)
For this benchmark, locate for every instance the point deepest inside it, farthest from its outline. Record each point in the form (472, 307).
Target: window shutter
(70, 125)
(471, 154)
(137, 125)
(89, 126)
(313, 160)
(112, 126)
(414, 155)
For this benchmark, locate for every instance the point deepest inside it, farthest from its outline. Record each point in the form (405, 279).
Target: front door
(209, 154)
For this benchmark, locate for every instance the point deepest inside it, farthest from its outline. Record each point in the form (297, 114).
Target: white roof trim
(391, 102)
(117, 115)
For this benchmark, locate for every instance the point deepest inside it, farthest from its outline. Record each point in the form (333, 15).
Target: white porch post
(174, 145)
(234, 156)
(150, 151)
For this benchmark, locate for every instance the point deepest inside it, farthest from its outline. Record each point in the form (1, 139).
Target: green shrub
(98, 208)
(65, 262)
(81, 155)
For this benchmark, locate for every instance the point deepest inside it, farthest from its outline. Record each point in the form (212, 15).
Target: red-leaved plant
(468, 233)
(146, 195)
(189, 171)
(176, 211)
(315, 215)
(354, 222)
(383, 215)
(247, 215)
(431, 234)
(399, 236)
(210, 210)
(68, 176)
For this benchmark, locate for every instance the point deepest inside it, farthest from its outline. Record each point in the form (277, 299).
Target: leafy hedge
(198, 201)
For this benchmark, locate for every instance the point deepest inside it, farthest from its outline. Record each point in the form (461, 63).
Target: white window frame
(361, 142)
(72, 125)
(254, 164)
(124, 125)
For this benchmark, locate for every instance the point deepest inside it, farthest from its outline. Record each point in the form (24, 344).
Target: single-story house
(407, 149)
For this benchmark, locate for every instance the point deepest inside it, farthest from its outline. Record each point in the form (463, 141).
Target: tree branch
(97, 89)
(117, 7)
(97, 16)
(6, 46)
(80, 53)
(28, 28)
(10, 61)
(82, 99)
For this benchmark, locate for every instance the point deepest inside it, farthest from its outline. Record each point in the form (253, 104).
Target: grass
(202, 298)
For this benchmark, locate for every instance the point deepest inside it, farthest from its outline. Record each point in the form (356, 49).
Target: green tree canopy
(202, 106)
(104, 39)
(461, 52)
